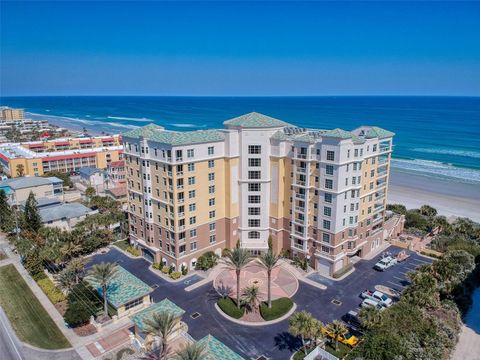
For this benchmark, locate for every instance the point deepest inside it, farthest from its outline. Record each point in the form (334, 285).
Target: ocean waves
(437, 169)
(454, 152)
(95, 126)
(129, 119)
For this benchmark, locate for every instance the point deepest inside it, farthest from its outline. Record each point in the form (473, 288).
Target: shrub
(157, 266)
(134, 251)
(171, 269)
(279, 308)
(83, 302)
(184, 270)
(175, 275)
(52, 292)
(165, 270)
(206, 261)
(229, 307)
(300, 263)
(342, 271)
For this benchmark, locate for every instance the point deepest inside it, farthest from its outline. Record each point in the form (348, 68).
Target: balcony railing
(302, 170)
(300, 196)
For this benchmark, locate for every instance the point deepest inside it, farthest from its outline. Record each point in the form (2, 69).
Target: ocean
(435, 136)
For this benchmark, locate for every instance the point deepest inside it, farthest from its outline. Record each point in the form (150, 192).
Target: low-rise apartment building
(18, 189)
(66, 155)
(319, 194)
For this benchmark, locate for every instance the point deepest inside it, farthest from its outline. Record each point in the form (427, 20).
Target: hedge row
(229, 307)
(279, 308)
(52, 292)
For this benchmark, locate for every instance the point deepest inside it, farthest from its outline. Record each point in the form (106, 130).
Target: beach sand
(448, 197)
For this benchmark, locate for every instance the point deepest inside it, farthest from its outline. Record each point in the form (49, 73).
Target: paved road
(10, 347)
(273, 341)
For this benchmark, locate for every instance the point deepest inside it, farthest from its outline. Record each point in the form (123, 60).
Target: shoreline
(450, 198)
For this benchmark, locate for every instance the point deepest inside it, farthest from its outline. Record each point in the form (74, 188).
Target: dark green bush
(279, 308)
(229, 307)
(206, 261)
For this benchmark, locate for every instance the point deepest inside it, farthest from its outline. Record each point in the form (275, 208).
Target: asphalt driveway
(272, 341)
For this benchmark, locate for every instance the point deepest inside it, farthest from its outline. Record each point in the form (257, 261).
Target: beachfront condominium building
(318, 194)
(7, 113)
(35, 158)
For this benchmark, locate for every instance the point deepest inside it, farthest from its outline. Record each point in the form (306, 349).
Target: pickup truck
(372, 303)
(377, 296)
(385, 263)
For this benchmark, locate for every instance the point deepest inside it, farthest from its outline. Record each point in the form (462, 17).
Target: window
(327, 211)
(190, 153)
(212, 226)
(211, 163)
(192, 220)
(355, 152)
(211, 176)
(254, 199)
(330, 155)
(191, 194)
(191, 180)
(192, 207)
(254, 175)
(213, 239)
(329, 169)
(254, 162)
(254, 235)
(326, 238)
(326, 224)
(211, 214)
(211, 202)
(211, 189)
(329, 183)
(193, 233)
(191, 167)
(253, 222)
(211, 150)
(193, 246)
(328, 197)
(254, 187)
(253, 211)
(254, 149)
(133, 303)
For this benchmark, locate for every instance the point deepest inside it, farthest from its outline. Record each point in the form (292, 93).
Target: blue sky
(238, 48)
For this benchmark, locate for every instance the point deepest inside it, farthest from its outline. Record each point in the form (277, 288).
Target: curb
(265, 323)
(168, 278)
(126, 253)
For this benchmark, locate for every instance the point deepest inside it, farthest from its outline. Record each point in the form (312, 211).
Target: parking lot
(272, 341)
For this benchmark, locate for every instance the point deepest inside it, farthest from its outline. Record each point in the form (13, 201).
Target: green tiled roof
(279, 135)
(357, 139)
(216, 350)
(255, 120)
(164, 305)
(124, 287)
(376, 132)
(338, 133)
(175, 138)
(305, 138)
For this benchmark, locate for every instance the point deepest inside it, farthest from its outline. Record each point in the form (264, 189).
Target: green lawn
(31, 322)
(342, 349)
(122, 244)
(279, 308)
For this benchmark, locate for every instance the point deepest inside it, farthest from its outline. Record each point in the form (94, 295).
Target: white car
(378, 296)
(385, 263)
(372, 303)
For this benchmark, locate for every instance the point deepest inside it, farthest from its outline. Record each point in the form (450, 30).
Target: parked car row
(388, 260)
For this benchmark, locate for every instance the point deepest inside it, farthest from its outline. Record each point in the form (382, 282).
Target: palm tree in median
(193, 351)
(302, 324)
(251, 297)
(337, 329)
(269, 261)
(162, 325)
(237, 259)
(102, 274)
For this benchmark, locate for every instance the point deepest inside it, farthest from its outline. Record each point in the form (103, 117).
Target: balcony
(181, 228)
(300, 196)
(179, 158)
(382, 174)
(181, 201)
(181, 215)
(302, 170)
(299, 233)
(179, 173)
(179, 187)
(300, 209)
(300, 156)
(299, 221)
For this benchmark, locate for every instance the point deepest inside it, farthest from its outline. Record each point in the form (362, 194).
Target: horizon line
(236, 96)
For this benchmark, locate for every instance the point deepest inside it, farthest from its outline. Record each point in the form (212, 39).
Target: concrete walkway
(468, 346)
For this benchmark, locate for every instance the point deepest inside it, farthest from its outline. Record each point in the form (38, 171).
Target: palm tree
(337, 329)
(269, 261)
(251, 297)
(193, 351)
(162, 325)
(370, 317)
(237, 259)
(77, 267)
(66, 279)
(70, 249)
(102, 274)
(317, 333)
(302, 324)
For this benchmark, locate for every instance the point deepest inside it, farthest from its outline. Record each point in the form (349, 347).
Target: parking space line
(404, 273)
(398, 278)
(411, 269)
(396, 284)
(421, 261)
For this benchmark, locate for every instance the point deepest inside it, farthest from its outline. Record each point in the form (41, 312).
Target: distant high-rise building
(320, 194)
(11, 114)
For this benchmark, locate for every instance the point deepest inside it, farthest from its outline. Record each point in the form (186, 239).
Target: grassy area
(29, 319)
(279, 308)
(122, 244)
(229, 307)
(342, 349)
(300, 354)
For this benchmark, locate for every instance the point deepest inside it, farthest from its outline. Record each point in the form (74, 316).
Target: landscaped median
(29, 319)
(280, 308)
